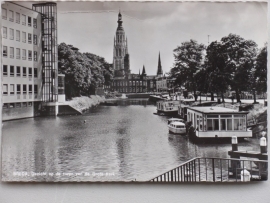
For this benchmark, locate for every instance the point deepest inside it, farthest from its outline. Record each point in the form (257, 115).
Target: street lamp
(254, 95)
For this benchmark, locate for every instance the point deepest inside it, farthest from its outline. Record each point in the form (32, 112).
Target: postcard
(134, 91)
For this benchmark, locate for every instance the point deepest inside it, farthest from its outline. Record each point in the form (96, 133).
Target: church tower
(120, 51)
(159, 70)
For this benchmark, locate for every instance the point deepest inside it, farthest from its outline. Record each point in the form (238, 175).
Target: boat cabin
(210, 122)
(167, 107)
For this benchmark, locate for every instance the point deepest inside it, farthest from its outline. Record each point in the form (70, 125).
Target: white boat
(175, 119)
(177, 127)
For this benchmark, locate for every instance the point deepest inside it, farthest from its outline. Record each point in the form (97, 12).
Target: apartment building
(29, 60)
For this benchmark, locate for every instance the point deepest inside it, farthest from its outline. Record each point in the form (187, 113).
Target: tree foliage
(83, 71)
(260, 73)
(188, 62)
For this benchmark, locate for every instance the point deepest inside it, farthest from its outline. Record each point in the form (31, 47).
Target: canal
(108, 143)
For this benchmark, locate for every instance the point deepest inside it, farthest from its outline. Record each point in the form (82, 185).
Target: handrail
(193, 168)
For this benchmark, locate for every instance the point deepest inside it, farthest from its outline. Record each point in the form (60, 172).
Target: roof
(215, 109)
(177, 123)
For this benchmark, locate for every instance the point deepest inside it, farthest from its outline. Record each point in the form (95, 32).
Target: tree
(188, 62)
(239, 56)
(217, 73)
(83, 71)
(260, 73)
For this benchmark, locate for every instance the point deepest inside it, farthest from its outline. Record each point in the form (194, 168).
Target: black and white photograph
(134, 91)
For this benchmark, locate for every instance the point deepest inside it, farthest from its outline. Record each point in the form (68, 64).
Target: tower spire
(159, 70)
(139, 72)
(143, 71)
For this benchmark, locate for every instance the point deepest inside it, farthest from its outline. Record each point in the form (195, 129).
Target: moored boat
(167, 107)
(177, 127)
(175, 119)
(217, 122)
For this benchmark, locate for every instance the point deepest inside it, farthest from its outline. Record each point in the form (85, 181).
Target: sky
(153, 27)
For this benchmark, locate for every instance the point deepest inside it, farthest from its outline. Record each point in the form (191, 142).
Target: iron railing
(215, 170)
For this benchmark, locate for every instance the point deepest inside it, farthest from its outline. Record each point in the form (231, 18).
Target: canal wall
(83, 103)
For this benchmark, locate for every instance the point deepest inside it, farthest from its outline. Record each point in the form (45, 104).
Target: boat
(175, 119)
(217, 122)
(158, 97)
(177, 127)
(168, 107)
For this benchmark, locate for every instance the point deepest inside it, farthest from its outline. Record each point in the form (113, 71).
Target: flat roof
(215, 109)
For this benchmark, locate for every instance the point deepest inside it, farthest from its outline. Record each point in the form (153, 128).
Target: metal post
(213, 166)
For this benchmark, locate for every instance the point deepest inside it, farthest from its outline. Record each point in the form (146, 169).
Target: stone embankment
(83, 103)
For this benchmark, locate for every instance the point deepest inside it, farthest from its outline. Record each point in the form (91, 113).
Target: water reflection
(127, 141)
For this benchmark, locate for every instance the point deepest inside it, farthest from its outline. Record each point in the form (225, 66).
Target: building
(124, 81)
(29, 62)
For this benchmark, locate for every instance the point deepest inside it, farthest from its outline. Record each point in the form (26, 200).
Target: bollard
(234, 143)
(263, 145)
(245, 175)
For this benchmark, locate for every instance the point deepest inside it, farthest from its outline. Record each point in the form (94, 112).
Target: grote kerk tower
(120, 51)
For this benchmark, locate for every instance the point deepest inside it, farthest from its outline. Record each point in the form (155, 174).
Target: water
(115, 143)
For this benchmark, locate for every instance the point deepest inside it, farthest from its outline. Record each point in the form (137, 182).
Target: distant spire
(139, 72)
(126, 45)
(159, 70)
(143, 71)
(119, 21)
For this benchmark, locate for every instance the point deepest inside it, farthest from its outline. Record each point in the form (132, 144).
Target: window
(212, 122)
(35, 56)
(18, 71)
(17, 18)
(5, 52)
(24, 37)
(18, 35)
(23, 19)
(24, 54)
(24, 89)
(239, 122)
(18, 53)
(29, 38)
(4, 13)
(29, 21)
(5, 32)
(11, 71)
(5, 106)
(29, 72)
(5, 89)
(24, 104)
(24, 71)
(35, 23)
(35, 89)
(18, 89)
(11, 105)
(30, 89)
(11, 16)
(11, 89)
(11, 55)
(11, 33)
(29, 55)
(18, 105)
(5, 70)
(29, 103)
(35, 39)
(35, 72)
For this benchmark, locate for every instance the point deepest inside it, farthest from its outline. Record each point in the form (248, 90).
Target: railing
(215, 170)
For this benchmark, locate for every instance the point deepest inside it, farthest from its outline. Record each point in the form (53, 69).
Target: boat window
(239, 123)
(222, 124)
(225, 116)
(212, 116)
(229, 124)
(212, 124)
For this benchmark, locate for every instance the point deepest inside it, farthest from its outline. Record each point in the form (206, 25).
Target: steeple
(143, 71)
(159, 70)
(126, 46)
(139, 72)
(119, 21)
